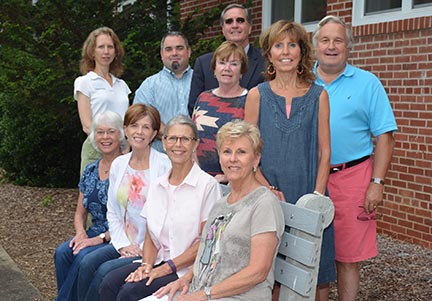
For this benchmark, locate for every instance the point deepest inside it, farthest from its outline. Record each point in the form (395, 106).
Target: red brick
(415, 219)
(412, 236)
(405, 224)
(424, 213)
(421, 228)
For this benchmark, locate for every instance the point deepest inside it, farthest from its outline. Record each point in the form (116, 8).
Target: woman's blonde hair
(239, 128)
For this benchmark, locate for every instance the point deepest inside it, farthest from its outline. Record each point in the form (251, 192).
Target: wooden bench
(300, 248)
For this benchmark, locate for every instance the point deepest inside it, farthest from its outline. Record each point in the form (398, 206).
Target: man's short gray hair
(337, 20)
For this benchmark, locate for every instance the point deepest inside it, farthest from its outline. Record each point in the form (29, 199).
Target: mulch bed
(36, 220)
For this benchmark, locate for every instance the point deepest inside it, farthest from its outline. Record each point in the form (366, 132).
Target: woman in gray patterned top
(242, 234)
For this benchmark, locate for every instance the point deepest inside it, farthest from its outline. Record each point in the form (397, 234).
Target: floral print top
(132, 197)
(95, 199)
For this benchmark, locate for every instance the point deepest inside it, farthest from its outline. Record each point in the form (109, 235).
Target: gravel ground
(36, 220)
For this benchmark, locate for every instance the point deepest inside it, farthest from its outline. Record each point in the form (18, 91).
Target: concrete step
(14, 286)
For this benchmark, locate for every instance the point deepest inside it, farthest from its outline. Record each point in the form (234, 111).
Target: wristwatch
(377, 181)
(103, 236)
(207, 292)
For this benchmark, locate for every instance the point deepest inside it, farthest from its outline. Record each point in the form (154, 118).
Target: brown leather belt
(336, 168)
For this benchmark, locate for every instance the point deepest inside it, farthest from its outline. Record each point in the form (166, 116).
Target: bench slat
(299, 249)
(307, 220)
(296, 278)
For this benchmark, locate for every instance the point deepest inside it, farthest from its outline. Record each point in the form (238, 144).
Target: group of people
(275, 123)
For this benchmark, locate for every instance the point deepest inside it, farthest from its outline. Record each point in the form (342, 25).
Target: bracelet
(171, 265)
(207, 292)
(318, 193)
(144, 264)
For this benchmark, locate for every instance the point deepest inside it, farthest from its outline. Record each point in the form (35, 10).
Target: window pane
(373, 6)
(420, 2)
(282, 9)
(313, 10)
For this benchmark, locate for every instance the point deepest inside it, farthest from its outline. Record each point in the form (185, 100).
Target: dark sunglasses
(238, 20)
(363, 216)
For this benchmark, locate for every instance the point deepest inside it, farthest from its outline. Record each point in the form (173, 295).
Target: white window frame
(266, 15)
(406, 12)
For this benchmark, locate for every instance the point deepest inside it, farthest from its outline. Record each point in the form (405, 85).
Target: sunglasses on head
(238, 20)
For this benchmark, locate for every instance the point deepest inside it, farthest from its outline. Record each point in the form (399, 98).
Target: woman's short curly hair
(110, 119)
(239, 128)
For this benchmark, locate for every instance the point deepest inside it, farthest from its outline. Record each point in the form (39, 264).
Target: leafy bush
(40, 48)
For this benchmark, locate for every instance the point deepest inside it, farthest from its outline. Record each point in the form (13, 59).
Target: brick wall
(399, 53)
(401, 58)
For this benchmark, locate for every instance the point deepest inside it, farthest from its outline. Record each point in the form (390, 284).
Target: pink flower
(136, 185)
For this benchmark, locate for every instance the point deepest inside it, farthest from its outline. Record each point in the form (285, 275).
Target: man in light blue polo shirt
(359, 109)
(168, 90)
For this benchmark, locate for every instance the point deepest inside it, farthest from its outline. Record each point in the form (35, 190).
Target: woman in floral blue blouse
(107, 136)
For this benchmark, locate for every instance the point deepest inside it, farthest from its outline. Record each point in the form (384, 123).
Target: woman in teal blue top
(292, 114)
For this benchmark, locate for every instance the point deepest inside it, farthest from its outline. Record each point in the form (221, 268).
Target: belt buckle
(336, 169)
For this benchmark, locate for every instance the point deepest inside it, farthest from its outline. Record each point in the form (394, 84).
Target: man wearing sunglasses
(236, 27)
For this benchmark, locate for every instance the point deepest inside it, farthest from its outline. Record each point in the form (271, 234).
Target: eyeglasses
(110, 132)
(183, 139)
(363, 216)
(239, 20)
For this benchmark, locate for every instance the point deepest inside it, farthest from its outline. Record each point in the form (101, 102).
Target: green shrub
(40, 48)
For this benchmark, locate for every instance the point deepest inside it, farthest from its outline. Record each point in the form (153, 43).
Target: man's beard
(175, 66)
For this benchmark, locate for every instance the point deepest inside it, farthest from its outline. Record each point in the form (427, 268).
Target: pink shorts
(355, 240)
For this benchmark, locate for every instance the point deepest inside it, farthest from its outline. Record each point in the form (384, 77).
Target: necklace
(102, 166)
(105, 167)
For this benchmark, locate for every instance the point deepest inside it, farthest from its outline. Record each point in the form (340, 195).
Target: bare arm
(148, 259)
(323, 143)
(383, 154)
(84, 111)
(81, 240)
(252, 106)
